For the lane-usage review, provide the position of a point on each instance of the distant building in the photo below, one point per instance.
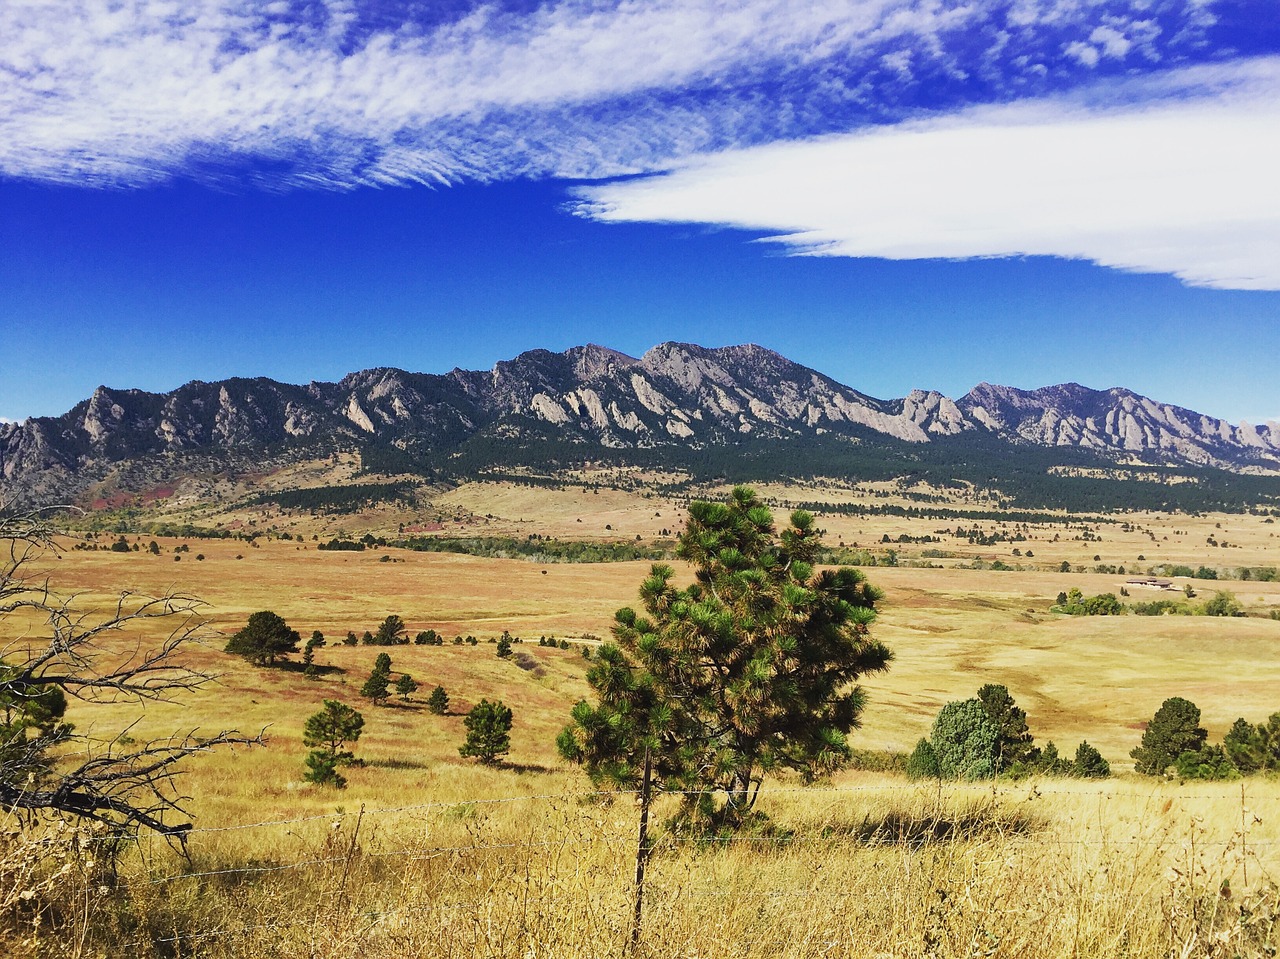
(1151, 582)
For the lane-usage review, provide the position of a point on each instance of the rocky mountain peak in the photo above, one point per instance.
(676, 394)
(591, 361)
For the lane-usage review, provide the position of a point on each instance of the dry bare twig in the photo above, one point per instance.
(39, 769)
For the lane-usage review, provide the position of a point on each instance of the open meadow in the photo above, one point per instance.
(425, 853)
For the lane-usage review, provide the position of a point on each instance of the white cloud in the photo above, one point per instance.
(1084, 53)
(1183, 184)
(140, 90)
(1111, 41)
(133, 92)
(143, 90)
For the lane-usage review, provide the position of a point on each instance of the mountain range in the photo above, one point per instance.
(594, 400)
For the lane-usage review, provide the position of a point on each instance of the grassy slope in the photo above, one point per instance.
(951, 629)
(1105, 868)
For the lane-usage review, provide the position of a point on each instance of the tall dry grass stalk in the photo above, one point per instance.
(877, 867)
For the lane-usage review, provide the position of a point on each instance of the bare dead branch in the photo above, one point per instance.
(127, 790)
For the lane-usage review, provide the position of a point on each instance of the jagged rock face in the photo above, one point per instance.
(1119, 421)
(676, 394)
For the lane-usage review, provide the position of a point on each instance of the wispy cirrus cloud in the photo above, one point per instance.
(889, 128)
(1172, 173)
(321, 94)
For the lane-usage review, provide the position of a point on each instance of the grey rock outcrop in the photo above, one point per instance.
(676, 395)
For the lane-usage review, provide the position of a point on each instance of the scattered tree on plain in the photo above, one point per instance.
(1089, 763)
(989, 736)
(309, 660)
(923, 762)
(266, 638)
(1208, 762)
(749, 670)
(1254, 749)
(391, 632)
(1050, 763)
(438, 701)
(377, 688)
(406, 686)
(1222, 603)
(965, 741)
(1013, 736)
(488, 731)
(328, 732)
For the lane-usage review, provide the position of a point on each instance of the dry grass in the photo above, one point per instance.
(1095, 678)
(873, 866)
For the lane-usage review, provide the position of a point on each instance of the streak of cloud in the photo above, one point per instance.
(310, 95)
(1181, 182)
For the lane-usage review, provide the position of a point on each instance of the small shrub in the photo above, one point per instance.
(438, 701)
(1208, 763)
(923, 762)
(1089, 763)
(488, 731)
(1222, 604)
(965, 741)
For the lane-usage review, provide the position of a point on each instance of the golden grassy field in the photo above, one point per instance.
(453, 858)
(588, 508)
(1097, 678)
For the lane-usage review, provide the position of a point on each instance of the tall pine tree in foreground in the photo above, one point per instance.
(751, 669)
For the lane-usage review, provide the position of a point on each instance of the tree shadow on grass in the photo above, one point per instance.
(289, 666)
(525, 767)
(917, 828)
(396, 764)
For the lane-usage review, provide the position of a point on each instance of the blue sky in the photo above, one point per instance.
(899, 193)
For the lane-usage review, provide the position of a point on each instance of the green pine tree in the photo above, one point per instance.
(1089, 763)
(751, 669)
(265, 638)
(377, 688)
(329, 731)
(923, 762)
(390, 632)
(488, 731)
(406, 686)
(1014, 739)
(1174, 729)
(438, 701)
